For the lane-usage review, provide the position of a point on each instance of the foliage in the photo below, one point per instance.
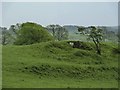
(116, 50)
(9, 35)
(95, 34)
(58, 32)
(32, 33)
(81, 29)
(81, 45)
(6, 36)
(14, 29)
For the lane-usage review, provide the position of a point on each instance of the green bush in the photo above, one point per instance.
(116, 50)
(32, 33)
(81, 45)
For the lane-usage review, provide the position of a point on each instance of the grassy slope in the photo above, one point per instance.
(56, 64)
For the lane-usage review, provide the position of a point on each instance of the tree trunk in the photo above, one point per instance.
(97, 44)
(98, 49)
(53, 32)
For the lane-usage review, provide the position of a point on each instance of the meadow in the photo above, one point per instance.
(56, 64)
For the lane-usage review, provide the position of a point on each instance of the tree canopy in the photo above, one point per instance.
(58, 32)
(30, 33)
(95, 34)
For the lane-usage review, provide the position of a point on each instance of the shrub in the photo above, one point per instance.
(116, 50)
(32, 33)
(81, 45)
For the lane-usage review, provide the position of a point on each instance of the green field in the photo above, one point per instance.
(58, 65)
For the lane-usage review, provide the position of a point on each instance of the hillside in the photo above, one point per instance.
(57, 64)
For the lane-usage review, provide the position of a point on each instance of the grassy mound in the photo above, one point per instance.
(57, 64)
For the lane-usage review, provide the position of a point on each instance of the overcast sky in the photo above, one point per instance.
(63, 13)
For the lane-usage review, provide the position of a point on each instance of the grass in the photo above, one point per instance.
(58, 65)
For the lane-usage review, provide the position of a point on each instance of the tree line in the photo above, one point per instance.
(30, 33)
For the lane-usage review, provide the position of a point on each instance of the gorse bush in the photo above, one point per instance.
(32, 33)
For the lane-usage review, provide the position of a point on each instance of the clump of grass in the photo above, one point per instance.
(86, 53)
(45, 70)
(59, 45)
(82, 53)
(116, 50)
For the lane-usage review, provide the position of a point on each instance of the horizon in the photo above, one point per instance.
(63, 25)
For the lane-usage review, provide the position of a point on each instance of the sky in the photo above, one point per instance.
(63, 13)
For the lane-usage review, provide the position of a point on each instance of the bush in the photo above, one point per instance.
(116, 50)
(32, 33)
(81, 45)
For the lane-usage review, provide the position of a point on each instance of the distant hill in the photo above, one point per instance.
(74, 34)
(113, 28)
(73, 28)
(110, 33)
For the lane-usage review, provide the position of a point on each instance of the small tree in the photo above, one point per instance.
(31, 33)
(81, 29)
(95, 34)
(58, 32)
(52, 27)
(6, 36)
(15, 28)
(62, 34)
